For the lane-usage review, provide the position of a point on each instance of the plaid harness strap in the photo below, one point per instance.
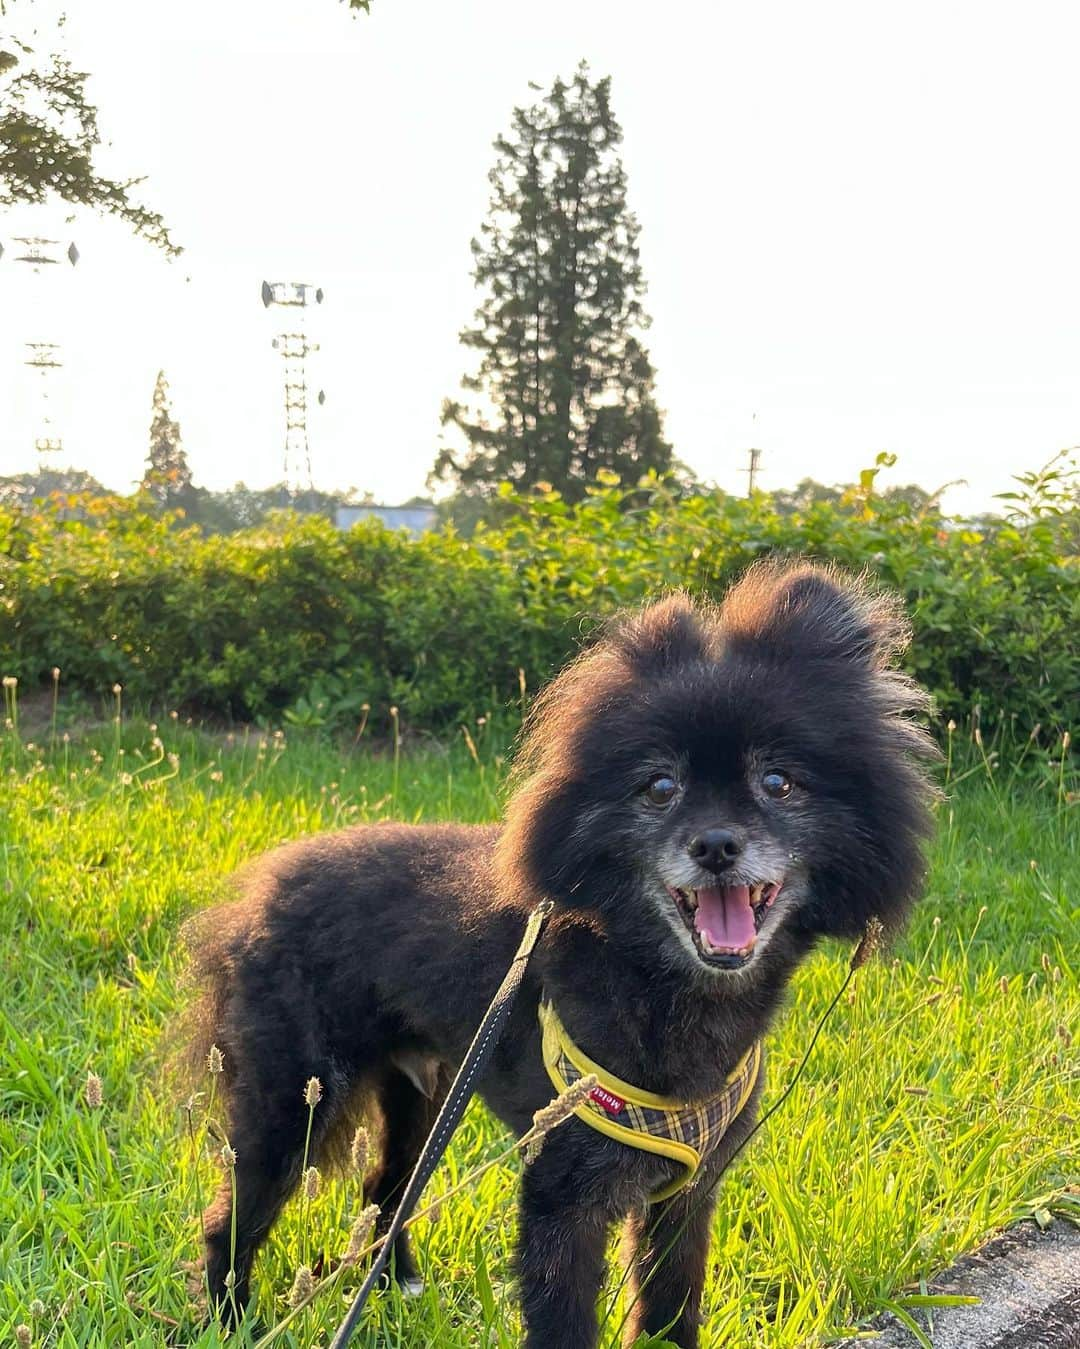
(687, 1134)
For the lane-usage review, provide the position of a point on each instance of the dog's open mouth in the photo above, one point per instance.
(724, 921)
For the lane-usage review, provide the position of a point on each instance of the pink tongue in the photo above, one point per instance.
(725, 917)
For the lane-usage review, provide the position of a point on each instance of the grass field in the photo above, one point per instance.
(940, 1102)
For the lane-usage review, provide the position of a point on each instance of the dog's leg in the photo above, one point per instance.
(267, 1125)
(560, 1257)
(408, 1114)
(263, 1183)
(666, 1284)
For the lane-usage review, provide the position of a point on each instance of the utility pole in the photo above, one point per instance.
(752, 471)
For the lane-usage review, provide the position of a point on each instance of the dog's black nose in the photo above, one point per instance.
(715, 849)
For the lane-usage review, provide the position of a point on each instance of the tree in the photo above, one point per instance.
(48, 137)
(167, 480)
(558, 329)
(22, 490)
(243, 507)
(49, 134)
(808, 493)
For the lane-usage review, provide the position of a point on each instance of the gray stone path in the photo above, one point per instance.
(1029, 1283)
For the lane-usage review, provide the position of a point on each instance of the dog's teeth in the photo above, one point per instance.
(711, 950)
(756, 892)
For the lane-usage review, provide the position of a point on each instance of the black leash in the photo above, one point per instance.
(460, 1094)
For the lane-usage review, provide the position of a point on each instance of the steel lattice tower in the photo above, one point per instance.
(294, 348)
(41, 255)
(44, 358)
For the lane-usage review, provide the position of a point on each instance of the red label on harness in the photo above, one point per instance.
(613, 1104)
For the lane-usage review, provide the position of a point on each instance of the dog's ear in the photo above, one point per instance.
(662, 636)
(807, 612)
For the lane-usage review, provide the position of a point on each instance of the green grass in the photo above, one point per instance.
(939, 1103)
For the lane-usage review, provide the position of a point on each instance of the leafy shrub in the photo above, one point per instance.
(297, 617)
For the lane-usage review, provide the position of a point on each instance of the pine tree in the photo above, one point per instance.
(562, 364)
(167, 480)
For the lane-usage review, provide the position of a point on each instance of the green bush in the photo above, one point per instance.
(296, 618)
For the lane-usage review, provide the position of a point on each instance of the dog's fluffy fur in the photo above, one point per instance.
(690, 751)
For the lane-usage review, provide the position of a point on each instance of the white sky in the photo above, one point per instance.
(859, 223)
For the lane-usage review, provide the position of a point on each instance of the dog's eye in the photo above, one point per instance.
(777, 785)
(661, 791)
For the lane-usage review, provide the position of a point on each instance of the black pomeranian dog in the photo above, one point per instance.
(703, 793)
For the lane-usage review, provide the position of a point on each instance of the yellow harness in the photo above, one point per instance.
(684, 1133)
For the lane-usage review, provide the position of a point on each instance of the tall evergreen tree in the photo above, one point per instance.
(167, 479)
(561, 362)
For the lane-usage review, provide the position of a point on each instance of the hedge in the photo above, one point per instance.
(298, 619)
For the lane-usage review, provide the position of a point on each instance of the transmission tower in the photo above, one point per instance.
(44, 358)
(40, 255)
(294, 348)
